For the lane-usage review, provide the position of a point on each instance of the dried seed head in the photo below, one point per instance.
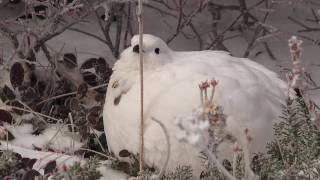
(204, 85)
(214, 83)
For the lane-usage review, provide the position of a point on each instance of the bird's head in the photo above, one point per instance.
(155, 52)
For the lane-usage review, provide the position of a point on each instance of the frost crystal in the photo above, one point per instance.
(192, 127)
(205, 124)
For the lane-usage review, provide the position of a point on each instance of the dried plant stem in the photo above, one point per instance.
(234, 163)
(73, 133)
(249, 174)
(55, 134)
(166, 133)
(33, 112)
(296, 78)
(7, 140)
(26, 106)
(281, 153)
(71, 93)
(44, 158)
(141, 135)
(99, 153)
(65, 160)
(89, 34)
(201, 96)
(219, 165)
(96, 136)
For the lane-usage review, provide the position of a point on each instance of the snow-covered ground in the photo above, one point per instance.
(61, 159)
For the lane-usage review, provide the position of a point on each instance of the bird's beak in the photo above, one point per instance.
(136, 49)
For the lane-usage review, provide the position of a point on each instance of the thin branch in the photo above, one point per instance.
(128, 26)
(269, 51)
(47, 37)
(243, 8)
(251, 44)
(71, 93)
(96, 136)
(306, 28)
(166, 133)
(141, 133)
(119, 15)
(88, 34)
(56, 133)
(197, 34)
(160, 10)
(180, 15)
(72, 131)
(219, 165)
(47, 54)
(105, 33)
(186, 22)
(30, 111)
(99, 153)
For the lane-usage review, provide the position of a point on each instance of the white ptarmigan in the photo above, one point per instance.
(250, 94)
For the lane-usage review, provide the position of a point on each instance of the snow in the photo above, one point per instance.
(57, 139)
(61, 159)
(43, 157)
(110, 174)
(54, 137)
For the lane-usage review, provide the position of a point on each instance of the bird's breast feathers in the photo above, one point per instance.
(250, 94)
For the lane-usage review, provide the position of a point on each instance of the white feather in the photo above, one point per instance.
(250, 94)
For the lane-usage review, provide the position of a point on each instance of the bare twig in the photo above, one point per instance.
(141, 136)
(96, 136)
(57, 132)
(47, 37)
(33, 112)
(71, 93)
(186, 20)
(128, 26)
(88, 34)
(306, 28)
(72, 131)
(315, 16)
(99, 153)
(30, 109)
(251, 44)
(160, 10)
(249, 174)
(119, 29)
(222, 169)
(116, 9)
(269, 51)
(166, 133)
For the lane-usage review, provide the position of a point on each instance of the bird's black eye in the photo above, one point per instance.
(136, 49)
(157, 50)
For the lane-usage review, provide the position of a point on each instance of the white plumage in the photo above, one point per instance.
(250, 94)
